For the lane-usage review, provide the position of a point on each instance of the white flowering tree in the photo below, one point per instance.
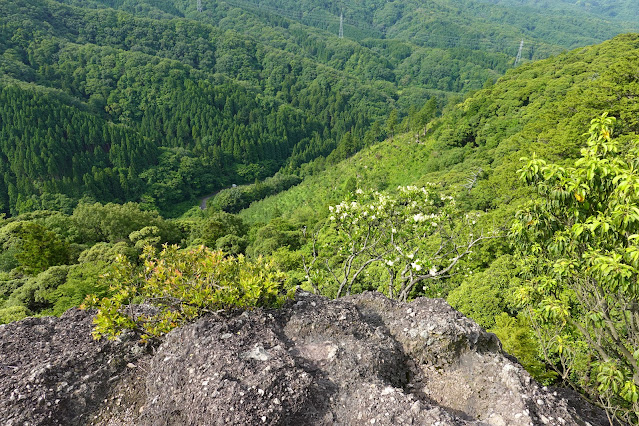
(416, 235)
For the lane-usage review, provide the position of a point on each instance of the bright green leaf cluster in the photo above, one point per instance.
(578, 242)
(181, 285)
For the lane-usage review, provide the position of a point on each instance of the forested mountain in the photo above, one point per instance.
(156, 102)
(211, 106)
(620, 10)
(202, 101)
(541, 107)
(479, 24)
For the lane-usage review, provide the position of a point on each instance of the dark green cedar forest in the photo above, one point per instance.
(410, 157)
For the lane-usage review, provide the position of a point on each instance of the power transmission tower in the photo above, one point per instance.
(521, 47)
(199, 5)
(341, 25)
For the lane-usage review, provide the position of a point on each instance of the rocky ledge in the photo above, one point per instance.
(360, 360)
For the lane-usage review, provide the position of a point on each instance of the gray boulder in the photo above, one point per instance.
(360, 360)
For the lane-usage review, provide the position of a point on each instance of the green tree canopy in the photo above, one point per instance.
(579, 248)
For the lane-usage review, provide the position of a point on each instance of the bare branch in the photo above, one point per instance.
(472, 180)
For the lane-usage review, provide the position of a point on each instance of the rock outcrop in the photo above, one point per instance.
(360, 360)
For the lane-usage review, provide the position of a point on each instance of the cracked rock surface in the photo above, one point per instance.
(360, 360)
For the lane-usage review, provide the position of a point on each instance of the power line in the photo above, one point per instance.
(327, 19)
(283, 12)
(302, 17)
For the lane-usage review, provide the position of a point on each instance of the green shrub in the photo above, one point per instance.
(39, 249)
(182, 284)
(13, 313)
(232, 244)
(38, 293)
(277, 233)
(485, 295)
(578, 244)
(216, 226)
(519, 340)
(81, 280)
(107, 252)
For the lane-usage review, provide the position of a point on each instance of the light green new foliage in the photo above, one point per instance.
(579, 247)
(517, 339)
(181, 285)
(488, 298)
(487, 294)
(13, 313)
(381, 166)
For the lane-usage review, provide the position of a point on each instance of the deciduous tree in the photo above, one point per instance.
(416, 235)
(579, 245)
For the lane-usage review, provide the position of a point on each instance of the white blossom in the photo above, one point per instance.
(416, 266)
(432, 271)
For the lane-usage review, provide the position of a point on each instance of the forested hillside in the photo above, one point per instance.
(620, 10)
(177, 125)
(480, 24)
(159, 103)
(542, 107)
